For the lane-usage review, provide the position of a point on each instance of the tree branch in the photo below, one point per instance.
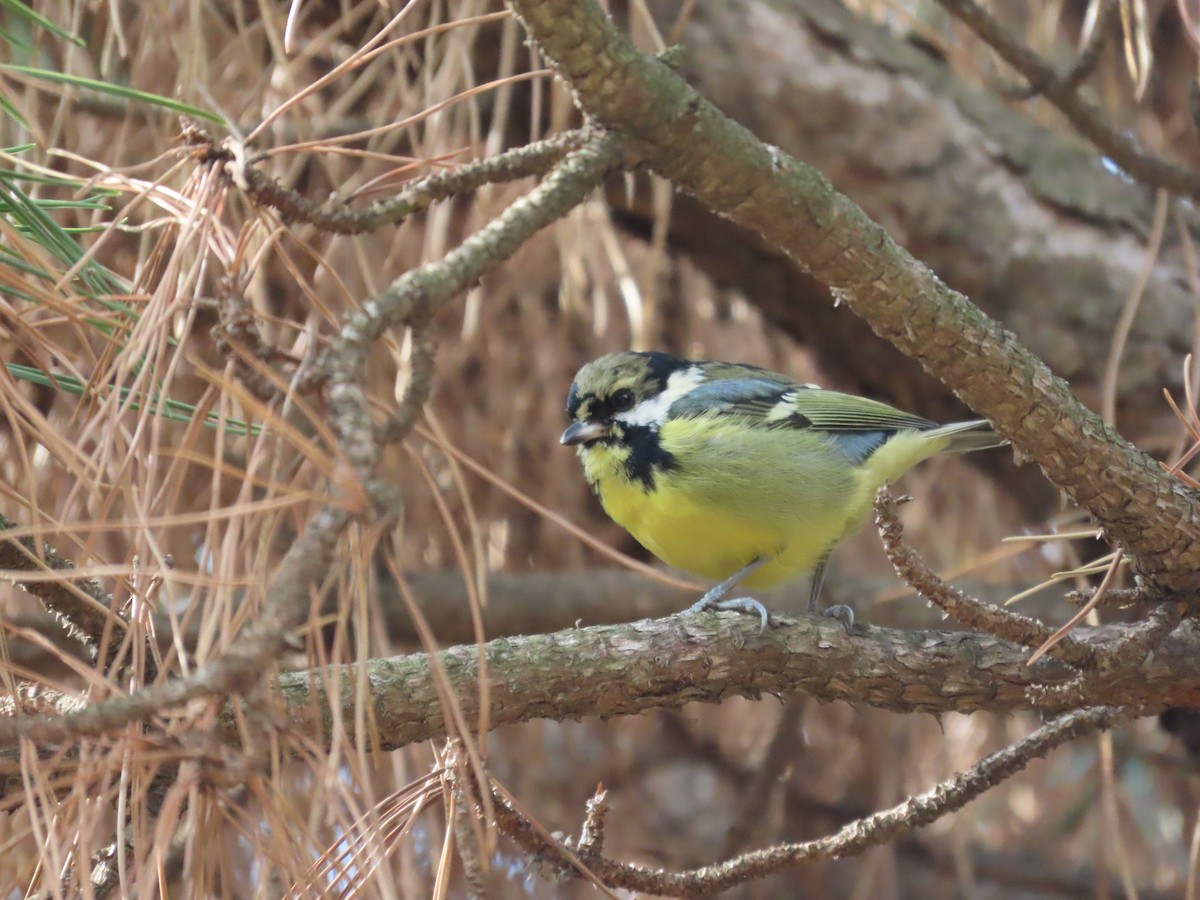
(918, 811)
(244, 663)
(80, 604)
(533, 603)
(1006, 210)
(969, 611)
(666, 663)
(340, 218)
(1087, 117)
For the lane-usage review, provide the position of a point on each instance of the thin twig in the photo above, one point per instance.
(915, 812)
(971, 612)
(1085, 62)
(237, 338)
(79, 603)
(1117, 144)
(340, 218)
(1114, 598)
(591, 835)
(420, 383)
(466, 838)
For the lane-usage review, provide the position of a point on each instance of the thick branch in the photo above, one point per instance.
(685, 139)
(540, 602)
(1024, 220)
(666, 663)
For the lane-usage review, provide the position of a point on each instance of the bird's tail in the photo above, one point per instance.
(967, 436)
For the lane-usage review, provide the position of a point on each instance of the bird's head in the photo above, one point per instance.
(620, 391)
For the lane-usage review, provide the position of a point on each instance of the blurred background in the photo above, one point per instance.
(117, 233)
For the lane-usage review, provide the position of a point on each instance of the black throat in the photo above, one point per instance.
(647, 457)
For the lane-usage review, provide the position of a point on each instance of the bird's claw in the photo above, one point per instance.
(736, 604)
(842, 613)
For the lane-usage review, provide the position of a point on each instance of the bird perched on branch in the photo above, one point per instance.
(737, 474)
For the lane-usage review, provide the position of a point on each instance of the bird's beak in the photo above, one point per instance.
(582, 432)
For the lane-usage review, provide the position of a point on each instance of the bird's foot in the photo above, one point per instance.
(842, 613)
(737, 604)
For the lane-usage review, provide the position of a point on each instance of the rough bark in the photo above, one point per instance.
(536, 603)
(666, 663)
(1023, 219)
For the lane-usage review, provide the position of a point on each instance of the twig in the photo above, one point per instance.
(338, 218)
(802, 809)
(915, 812)
(237, 338)
(971, 612)
(1119, 145)
(1114, 598)
(79, 603)
(466, 838)
(591, 835)
(420, 383)
(1083, 66)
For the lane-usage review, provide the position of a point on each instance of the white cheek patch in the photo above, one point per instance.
(653, 410)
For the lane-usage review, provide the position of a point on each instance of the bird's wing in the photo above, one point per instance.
(856, 427)
(831, 411)
(769, 403)
(750, 399)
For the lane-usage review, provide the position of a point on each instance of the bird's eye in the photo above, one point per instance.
(622, 400)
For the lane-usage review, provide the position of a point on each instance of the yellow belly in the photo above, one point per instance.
(711, 543)
(739, 495)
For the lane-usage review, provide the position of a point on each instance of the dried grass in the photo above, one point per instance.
(195, 520)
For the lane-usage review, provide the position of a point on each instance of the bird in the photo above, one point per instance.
(738, 474)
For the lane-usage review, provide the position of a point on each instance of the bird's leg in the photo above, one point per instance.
(839, 611)
(713, 599)
(818, 579)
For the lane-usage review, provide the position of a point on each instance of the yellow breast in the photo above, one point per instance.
(722, 507)
(736, 495)
(712, 542)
